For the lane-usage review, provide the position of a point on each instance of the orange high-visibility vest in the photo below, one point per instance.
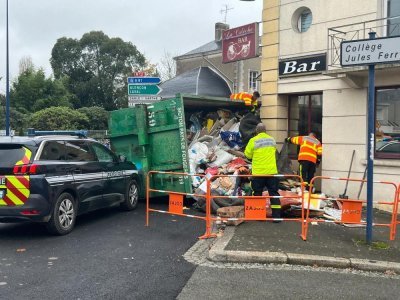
(246, 97)
(310, 147)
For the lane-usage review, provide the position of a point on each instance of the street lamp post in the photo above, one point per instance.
(7, 78)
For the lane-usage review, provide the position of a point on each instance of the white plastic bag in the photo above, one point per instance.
(198, 153)
(223, 157)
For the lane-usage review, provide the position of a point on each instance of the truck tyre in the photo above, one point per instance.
(131, 196)
(62, 219)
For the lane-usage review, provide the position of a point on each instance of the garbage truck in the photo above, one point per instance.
(155, 136)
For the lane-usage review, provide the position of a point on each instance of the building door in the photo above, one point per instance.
(305, 116)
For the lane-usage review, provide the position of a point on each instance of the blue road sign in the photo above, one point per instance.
(143, 89)
(144, 80)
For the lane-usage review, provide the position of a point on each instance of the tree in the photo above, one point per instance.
(32, 91)
(58, 118)
(96, 67)
(167, 66)
(97, 116)
(25, 64)
(18, 120)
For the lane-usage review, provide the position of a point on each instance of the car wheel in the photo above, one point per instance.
(131, 196)
(63, 217)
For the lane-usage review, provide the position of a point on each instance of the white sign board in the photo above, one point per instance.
(133, 100)
(3, 133)
(144, 98)
(367, 52)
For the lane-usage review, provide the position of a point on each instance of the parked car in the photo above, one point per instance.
(53, 179)
(392, 147)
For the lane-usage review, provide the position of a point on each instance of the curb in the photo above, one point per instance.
(374, 265)
(217, 253)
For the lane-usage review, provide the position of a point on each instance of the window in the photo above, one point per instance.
(102, 153)
(393, 13)
(305, 116)
(387, 129)
(10, 154)
(78, 151)
(253, 82)
(305, 20)
(53, 150)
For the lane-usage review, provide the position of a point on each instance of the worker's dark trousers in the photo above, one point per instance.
(271, 183)
(307, 170)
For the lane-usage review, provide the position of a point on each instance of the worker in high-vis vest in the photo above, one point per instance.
(309, 155)
(250, 100)
(261, 149)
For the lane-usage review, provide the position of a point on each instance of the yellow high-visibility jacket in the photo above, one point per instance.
(262, 149)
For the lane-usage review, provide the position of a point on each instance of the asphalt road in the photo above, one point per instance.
(112, 255)
(109, 255)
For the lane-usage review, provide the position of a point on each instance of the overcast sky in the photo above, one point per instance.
(154, 26)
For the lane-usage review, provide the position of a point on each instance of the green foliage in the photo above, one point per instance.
(98, 117)
(378, 245)
(59, 118)
(49, 102)
(18, 120)
(96, 67)
(32, 91)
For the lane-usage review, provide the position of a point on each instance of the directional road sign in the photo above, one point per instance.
(144, 80)
(144, 98)
(133, 100)
(143, 89)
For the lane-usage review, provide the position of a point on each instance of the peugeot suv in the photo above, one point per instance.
(53, 179)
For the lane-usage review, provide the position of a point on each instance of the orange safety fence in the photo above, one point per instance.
(255, 206)
(395, 219)
(352, 208)
(176, 200)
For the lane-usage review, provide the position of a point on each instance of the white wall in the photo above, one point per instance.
(326, 14)
(344, 105)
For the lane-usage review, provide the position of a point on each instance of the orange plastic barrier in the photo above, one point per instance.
(395, 219)
(175, 206)
(352, 208)
(255, 206)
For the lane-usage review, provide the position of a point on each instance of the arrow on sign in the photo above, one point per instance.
(143, 89)
(144, 80)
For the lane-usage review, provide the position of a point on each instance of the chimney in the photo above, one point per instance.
(219, 28)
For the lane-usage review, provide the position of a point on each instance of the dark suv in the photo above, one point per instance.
(53, 179)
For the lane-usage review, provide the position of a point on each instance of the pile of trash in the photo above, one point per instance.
(216, 147)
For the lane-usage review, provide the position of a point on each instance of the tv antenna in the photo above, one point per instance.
(225, 11)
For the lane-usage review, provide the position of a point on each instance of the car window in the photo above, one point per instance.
(78, 151)
(379, 145)
(10, 154)
(391, 148)
(102, 153)
(53, 150)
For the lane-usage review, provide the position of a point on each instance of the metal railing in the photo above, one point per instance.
(357, 31)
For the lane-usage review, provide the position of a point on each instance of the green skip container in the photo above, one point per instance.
(153, 136)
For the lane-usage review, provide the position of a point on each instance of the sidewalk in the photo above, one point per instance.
(327, 244)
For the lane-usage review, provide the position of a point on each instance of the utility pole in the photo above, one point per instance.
(7, 78)
(225, 11)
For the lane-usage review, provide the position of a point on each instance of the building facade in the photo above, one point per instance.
(304, 88)
(241, 75)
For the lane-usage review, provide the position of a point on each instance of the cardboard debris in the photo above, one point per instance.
(231, 212)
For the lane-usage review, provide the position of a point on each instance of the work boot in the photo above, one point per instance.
(276, 209)
(276, 214)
